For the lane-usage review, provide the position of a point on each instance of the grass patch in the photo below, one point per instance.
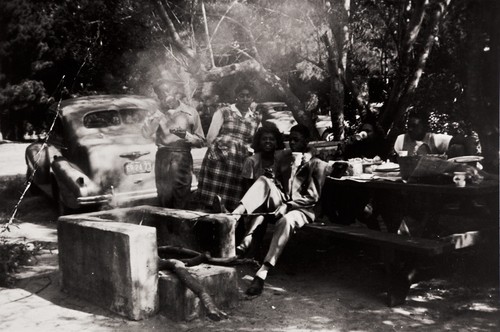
(13, 255)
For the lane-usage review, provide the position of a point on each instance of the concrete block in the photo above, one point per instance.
(180, 304)
(111, 264)
(194, 230)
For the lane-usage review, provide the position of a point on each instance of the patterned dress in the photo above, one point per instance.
(222, 165)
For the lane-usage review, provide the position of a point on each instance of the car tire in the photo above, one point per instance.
(328, 135)
(62, 209)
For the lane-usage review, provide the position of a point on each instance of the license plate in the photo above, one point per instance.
(137, 167)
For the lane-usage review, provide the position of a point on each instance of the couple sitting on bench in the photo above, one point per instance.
(289, 196)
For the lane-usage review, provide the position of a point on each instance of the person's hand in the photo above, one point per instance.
(190, 137)
(281, 211)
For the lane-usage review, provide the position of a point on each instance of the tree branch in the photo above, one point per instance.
(174, 37)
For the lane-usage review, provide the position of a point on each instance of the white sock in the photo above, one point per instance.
(262, 273)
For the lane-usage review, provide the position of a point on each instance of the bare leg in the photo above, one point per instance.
(247, 240)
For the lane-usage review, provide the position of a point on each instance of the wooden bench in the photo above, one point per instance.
(386, 240)
(394, 249)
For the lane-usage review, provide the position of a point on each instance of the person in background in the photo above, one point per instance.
(349, 206)
(177, 129)
(418, 141)
(368, 142)
(229, 138)
(290, 197)
(206, 110)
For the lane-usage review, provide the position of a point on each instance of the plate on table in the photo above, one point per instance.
(466, 159)
(362, 177)
(387, 167)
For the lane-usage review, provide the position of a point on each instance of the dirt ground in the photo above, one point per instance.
(320, 284)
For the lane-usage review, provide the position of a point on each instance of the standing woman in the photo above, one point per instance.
(229, 138)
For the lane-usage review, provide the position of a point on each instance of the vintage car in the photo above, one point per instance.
(279, 114)
(95, 154)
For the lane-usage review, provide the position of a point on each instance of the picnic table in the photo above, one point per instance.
(413, 217)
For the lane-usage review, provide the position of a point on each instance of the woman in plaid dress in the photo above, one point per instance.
(229, 137)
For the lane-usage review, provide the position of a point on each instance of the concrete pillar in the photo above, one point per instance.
(111, 264)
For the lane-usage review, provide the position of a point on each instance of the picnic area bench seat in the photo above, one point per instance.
(386, 240)
(397, 251)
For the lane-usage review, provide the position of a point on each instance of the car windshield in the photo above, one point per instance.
(108, 118)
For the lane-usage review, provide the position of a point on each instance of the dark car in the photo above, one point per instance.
(95, 154)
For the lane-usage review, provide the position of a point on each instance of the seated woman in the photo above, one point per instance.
(268, 146)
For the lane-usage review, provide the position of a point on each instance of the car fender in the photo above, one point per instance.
(38, 157)
(72, 182)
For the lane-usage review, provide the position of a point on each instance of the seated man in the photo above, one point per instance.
(291, 195)
(417, 141)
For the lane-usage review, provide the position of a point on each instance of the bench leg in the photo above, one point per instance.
(398, 274)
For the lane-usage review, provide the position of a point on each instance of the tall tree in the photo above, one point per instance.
(414, 47)
(250, 61)
(482, 69)
(336, 40)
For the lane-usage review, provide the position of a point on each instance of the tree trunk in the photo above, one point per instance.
(410, 71)
(482, 77)
(196, 69)
(336, 47)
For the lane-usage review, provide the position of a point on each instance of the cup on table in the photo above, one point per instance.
(403, 153)
(357, 166)
(459, 179)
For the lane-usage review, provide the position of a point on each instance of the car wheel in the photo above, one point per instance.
(62, 209)
(328, 135)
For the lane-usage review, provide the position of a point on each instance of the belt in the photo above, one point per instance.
(174, 148)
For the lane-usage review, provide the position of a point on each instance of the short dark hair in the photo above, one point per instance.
(268, 127)
(422, 116)
(300, 128)
(245, 86)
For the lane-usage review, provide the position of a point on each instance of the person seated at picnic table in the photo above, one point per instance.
(229, 138)
(290, 197)
(418, 141)
(368, 142)
(348, 206)
(268, 145)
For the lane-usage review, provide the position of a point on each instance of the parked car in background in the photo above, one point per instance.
(279, 114)
(95, 154)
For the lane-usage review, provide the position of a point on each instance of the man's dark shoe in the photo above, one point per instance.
(256, 287)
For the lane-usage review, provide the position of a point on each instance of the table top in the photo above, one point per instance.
(486, 187)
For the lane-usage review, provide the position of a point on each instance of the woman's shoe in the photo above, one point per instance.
(240, 252)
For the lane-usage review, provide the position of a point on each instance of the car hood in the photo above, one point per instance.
(107, 155)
